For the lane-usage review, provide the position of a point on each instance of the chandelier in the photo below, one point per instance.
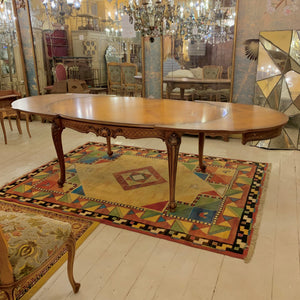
(113, 28)
(60, 9)
(205, 20)
(8, 36)
(149, 17)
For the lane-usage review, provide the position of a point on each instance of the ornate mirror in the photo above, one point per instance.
(199, 46)
(278, 83)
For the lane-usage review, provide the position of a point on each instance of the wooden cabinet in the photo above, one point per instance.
(89, 43)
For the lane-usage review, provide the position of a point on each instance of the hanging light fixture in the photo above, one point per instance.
(7, 25)
(150, 17)
(60, 9)
(206, 20)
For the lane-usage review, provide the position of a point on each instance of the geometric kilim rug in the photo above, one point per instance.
(216, 210)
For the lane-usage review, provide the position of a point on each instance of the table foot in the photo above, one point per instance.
(172, 208)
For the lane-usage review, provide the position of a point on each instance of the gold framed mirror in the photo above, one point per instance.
(90, 29)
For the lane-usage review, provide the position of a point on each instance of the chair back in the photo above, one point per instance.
(212, 72)
(61, 73)
(128, 71)
(113, 76)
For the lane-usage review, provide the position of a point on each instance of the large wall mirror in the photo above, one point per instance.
(198, 52)
(100, 43)
(278, 83)
(11, 72)
(80, 46)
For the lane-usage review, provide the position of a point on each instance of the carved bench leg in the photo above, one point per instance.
(71, 255)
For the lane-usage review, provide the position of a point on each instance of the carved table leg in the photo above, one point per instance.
(201, 146)
(109, 152)
(57, 129)
(169, 90)
(182, 93)
(173, 142)
(18, 118)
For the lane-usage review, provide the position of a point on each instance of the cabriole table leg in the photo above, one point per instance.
(200, 156)
(57, 129)
(173, 142)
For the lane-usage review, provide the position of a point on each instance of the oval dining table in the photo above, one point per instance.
(136, 117)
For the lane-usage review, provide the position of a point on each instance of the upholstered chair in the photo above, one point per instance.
(114, 78)
(212, 72)
(129, 85)
(60, 84)
(209, 72)
(224, 94)
(60, 72)
(29, 243)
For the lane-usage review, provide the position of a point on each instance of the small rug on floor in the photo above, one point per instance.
(216, 210)
(81, 228)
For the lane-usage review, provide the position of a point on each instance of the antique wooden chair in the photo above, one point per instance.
(128, 82)
(209, 72)
(114, 82)
(77, 86)
(212, 72)
(60, 84)
(29, 243)
(60, 72)
(6, 111)
(224, 94)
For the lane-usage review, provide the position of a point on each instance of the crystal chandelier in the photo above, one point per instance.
(113, 28)
(8, 36)
(149, 17)
(60, 9)
(205, 20)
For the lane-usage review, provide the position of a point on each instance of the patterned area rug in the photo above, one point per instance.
(215, 210)
(81, 228)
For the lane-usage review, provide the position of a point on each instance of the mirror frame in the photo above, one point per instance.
(278, 72)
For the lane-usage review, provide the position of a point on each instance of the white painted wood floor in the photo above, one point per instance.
(119, 264)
